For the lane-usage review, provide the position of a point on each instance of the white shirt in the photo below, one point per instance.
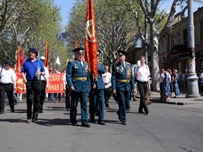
(7, 76)
(46, 76)
(64, 78)
(143, 73)
(106, 78)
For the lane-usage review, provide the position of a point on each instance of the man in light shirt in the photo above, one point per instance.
(142, 74)
(7, 85)
(44, 84)
(106, 77)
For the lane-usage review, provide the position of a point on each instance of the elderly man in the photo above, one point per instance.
(7, 85)
(32, 69)
(122, 84)
(44, 84)
(78, 80)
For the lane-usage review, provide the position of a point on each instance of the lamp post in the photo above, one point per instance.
(192, 85)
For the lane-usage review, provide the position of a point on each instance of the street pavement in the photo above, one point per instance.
(179, 100)
(175, 126)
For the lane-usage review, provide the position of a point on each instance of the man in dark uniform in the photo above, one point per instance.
(122, 84)
(78, 79)
(97, 94)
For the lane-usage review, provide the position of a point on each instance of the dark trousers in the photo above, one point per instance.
(68, 97)
(42, 97)
(162, 91)
(33, 90)
(97, 103)
(8, 89)
(75, 96)
(107, 95)
(123, 103)
(142, 86)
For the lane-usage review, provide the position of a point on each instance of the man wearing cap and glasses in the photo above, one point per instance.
(44, 84)
(97, 94)
(32, 69)
(78, 80)
(122, 84)
(8, 85)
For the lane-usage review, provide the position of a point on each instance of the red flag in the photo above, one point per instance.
(47, 55)
(91, 46)
(20, 59)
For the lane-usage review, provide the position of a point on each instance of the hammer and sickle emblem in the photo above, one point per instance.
(90, 31)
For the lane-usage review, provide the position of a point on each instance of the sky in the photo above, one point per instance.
(66, 6)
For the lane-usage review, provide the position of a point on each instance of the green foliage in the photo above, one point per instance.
(39, 20)
(115, 26)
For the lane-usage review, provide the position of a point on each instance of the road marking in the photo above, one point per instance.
(184, 114)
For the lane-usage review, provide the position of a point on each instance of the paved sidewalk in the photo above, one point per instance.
(179, 100)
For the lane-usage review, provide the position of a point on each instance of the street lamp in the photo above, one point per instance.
(192, 85)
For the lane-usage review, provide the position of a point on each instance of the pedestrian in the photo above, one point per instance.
(7, 85)
(175, 83)
(142, 74)
(122, 84)
(44, 84)
(78, 79)
(97, 94)
(200, 82)
(67, 91)
(32, 69)
(106, 77)
(51, 95)
(161, 84)
(166, 86)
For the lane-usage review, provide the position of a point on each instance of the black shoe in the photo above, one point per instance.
(67, 109)
(140, 112)
(124, 123)
(147, 112)
(41, 111)
(118, 116)
(86, 125)
(34, 120)
(107, 105)
(74, 124)
(12, 110)
(101, 123)
(128, 108)
(1, 112)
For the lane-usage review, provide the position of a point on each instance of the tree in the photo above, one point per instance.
(38, 20)
(114, 23)
(150, 10)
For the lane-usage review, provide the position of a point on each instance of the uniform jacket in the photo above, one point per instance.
(75, 69)
(98, 82)
(122, 73)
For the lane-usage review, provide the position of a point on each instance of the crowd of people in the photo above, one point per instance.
(80, 85)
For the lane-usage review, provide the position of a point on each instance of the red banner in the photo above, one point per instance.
(91, 46)
(55, 84)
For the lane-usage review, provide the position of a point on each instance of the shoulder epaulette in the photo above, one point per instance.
(117, 63)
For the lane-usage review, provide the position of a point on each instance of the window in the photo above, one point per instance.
(201, 31)
(185, 36)
(172, 40)
(178, 38)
